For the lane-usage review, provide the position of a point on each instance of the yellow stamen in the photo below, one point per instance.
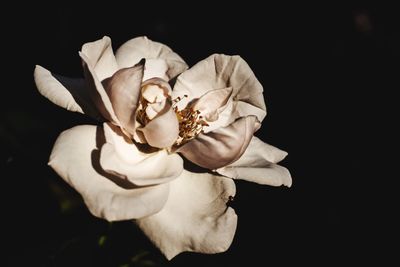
(190, 122)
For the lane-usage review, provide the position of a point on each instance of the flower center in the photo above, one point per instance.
(153, 99)
(191, 123)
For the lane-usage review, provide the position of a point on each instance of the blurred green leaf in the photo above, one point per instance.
(102, 240)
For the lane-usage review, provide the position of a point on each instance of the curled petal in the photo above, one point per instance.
(122, 158)
(163, 130)
(195, 217)
(257, 164)
(222, 71)
(101, 57)
(75, 157)
(258, 153)
(221, 147)
(123, 89)
(212, 103)
(157, 56)
(68, 93)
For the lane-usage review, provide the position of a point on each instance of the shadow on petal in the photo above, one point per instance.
(95, 156)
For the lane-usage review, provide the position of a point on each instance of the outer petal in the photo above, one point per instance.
(75, 157)
(195, 217)
(122, 158)
(221, 147)
(97, 91)
(257, 165)
(101, 57)
(157, 56)
(123, 89)
(68, 93)
(270, 174)
(221, 71)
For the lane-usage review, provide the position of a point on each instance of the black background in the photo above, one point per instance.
(330, 75)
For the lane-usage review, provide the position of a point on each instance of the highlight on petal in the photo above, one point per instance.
(161, 61)
(258, 164)
(222, 146)
(75, 157)
(195, 218)
(123, 89)
(221, 71)
(101, 57)
(71, 94)
(122, 158)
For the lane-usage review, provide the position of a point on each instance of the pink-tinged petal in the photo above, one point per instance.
(257, 164)
(163, 130)
(97, 92)
(212, 103)
(101, 57)
(123, 89)
(157, 56)
(196, 216)
(68, 93)
(122, 158)
(75, 157)
(222, 71)
(221, 147)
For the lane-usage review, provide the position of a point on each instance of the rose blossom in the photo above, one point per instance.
(130, 166)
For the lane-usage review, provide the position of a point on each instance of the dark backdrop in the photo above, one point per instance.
(330, 75)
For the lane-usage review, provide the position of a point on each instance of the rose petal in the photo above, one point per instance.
(75, 157)
(211, 103)
(219, 148)
(101, 57)
(257, 164)
(97, 92)
(163, 130)
(122, 158)
(141, 47)
(195, 217)
(258, 153)
(222, 71)
(68, 93)
(123, 89)
(271, 174)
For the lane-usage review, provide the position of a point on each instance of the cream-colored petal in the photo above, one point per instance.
(122, 158)
(195, 217)
(156, 68)
(222, 71)
(163, 130)
(75, 157)
(97, 92)
(141, 47)
(270, 174)
(68, 93)
(257, 164)
(258, 153)
(101, 57)
(221, 147)
(123, 89)
(212, 103)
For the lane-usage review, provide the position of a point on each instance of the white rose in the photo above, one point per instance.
(129, 166)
